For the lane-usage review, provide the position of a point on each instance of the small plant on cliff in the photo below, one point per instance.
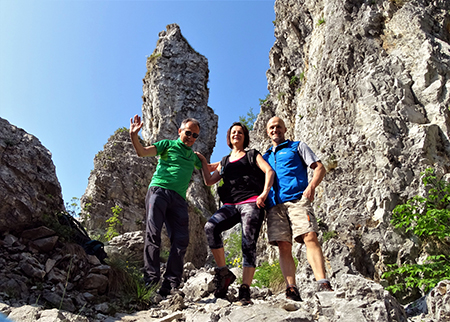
(329, 235)
(121, 130)
(294, 80)
(428, 218)
(321, 21)
(114, 223)
(263, 100)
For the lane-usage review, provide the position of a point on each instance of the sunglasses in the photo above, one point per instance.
(189, 133)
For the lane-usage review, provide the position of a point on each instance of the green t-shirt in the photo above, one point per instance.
(175, 166)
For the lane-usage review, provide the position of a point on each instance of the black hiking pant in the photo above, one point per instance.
(164, 206)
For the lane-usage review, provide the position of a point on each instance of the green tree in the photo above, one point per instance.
(114, 223)
(427, 218)
(249, 120)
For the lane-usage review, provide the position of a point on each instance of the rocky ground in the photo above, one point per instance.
(34, 282)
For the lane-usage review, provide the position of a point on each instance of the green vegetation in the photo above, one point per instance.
(294, 80)
(269, 275)
(428, 219)
(233, 247)
(126, 281)
(281, 95)
(153, 56)
(321, 21)
(121, 130)
(329, 235)
(249, 120)
(114, 223)
(150, 62)
(302, 76)
(262, 101)
(65, 285)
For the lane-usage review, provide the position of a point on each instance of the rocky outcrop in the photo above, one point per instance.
(175, 88)
(29, 187)
(366, 85)
(120, 178)
(40, 267)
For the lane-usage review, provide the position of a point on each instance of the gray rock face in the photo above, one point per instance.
(28, 183)
(120, 178)
(175, 88)
(365, 85)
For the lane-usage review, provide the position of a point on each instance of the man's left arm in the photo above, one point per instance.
(318, 175)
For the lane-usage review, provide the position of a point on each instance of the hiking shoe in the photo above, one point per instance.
(325, 286)
(293, 294)
(169, 289)
(222, 279)
(164, 291)
(244, 294)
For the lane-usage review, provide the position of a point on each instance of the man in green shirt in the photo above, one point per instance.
(165, 202)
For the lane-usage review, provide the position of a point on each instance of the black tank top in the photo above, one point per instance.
(241, 179)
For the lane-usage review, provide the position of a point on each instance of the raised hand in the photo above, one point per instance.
(135, 124)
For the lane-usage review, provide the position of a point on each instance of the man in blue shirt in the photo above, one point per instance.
(290, 215)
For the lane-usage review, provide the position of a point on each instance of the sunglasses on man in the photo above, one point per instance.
(189, 133)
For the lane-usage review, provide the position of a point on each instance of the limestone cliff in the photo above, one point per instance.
(29, 187)
(366, 85)
(175, 88)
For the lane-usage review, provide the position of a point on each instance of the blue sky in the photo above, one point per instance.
(71, 71)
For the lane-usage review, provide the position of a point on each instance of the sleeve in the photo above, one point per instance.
(255, 155)
(161, 146)
(307, 154)
(197, 162)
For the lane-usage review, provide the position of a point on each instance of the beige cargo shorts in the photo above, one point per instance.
(291, 219)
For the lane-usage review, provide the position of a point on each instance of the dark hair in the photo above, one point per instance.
(190, 119)
(246, 134)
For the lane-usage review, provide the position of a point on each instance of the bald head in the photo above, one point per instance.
(276, 130)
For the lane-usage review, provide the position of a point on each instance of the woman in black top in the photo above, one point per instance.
(247, 180)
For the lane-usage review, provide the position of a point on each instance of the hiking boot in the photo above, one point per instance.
(293, 294)
(169, 289)
(244, 294)
(223, 278)
(325, 287)
(164, 291)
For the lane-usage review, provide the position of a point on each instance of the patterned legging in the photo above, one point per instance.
(250, 217)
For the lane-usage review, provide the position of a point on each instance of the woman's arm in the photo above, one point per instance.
(209, 178)
(270, 176)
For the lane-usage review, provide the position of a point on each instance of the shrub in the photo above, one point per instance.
(270, 275)
(428, 218)
(233, 247)
(126, 281)
(249, 120)
(114, 223)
